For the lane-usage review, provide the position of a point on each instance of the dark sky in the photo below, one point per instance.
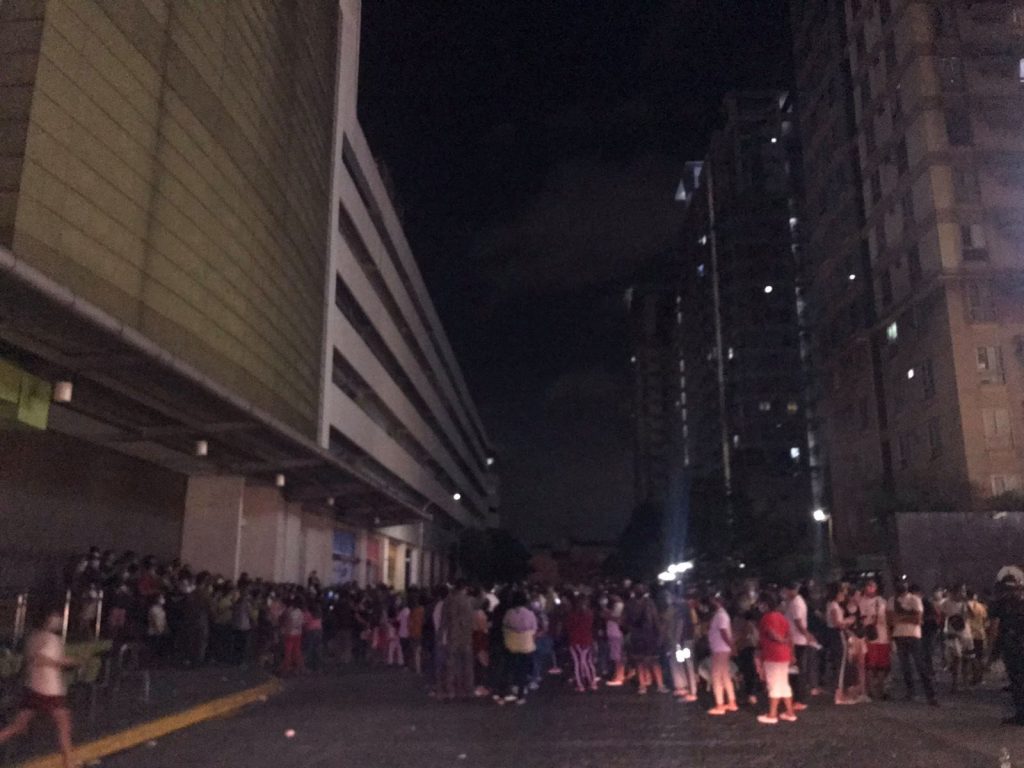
(535, 146)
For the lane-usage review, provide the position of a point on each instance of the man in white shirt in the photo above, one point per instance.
(45, 692)
(908, 616)
(796, 614)
(720, 640)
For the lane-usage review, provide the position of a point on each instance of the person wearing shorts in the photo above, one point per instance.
(776, 655)
(45, 692)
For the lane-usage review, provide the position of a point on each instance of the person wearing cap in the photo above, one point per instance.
(1008, 639)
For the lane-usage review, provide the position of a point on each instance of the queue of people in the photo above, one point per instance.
(769, 649)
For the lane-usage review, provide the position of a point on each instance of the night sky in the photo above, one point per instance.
(535, 146)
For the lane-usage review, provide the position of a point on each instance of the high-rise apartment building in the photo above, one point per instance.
(652, 305)
(912, 120)
(742, 359)
(214, 339)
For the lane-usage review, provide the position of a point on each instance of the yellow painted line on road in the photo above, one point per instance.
(155, 729)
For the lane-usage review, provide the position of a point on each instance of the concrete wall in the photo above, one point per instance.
(211, 535)
(946, 548)
(176, 174)
(59, 496)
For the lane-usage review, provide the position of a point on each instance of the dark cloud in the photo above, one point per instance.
(591, 223)
(536, 146)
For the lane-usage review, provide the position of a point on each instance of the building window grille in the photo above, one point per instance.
(996, 423)
(973, 245)
(928, 379)
(958, 127)
(934, 438)
(990, 365)
(951, 73)
(914, 264)
(980, 306)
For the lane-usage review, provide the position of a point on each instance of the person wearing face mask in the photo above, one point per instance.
(45, 691)
(156, 627)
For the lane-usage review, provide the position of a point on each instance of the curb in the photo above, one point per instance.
(155, 729)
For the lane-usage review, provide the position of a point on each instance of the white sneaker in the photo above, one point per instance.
(765, 720)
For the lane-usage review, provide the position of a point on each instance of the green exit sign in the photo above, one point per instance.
(24, 398)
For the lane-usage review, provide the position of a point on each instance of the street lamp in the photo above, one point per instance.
(820, 516)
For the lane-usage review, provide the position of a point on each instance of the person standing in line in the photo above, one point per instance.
(404, 612)
(579, 626)
(908, 617)
(796, 615)
(1008, 640)
(519, 627)
(721, 642)
(837, 624)
(977, 622)
(776, 654)
(45, 691)
(292, 621)
(644, 641)
(417, 614)
(439, 645)
(878, 659)
(616, 641)
(457, 620)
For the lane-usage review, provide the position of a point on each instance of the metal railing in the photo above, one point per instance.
(14, 613)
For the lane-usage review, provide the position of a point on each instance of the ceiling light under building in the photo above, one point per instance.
(330, 501)
(456, 496)
(910, 373)
(768, 289)
(62, 391)
(490, 461)
(852, 277)
(202, 448)
(279, 480)
(819, 515)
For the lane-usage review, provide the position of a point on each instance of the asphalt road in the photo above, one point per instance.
(383, 719)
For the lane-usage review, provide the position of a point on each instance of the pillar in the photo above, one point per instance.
(398, 553)
(211, 534)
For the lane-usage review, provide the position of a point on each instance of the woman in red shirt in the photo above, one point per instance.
(776, 654)
(579, 626)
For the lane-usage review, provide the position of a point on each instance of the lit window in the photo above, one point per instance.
(910, 373)
(731, 353)
(794, 452)
(703, 240)
(892, 333)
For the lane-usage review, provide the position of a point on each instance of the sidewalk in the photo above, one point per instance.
(178, 698)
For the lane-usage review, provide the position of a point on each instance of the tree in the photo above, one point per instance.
(493, 555)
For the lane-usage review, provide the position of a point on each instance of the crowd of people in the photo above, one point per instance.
(752, 645)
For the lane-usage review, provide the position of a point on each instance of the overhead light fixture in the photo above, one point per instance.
(330, 501)
(490, 461)
(852, 276)
(62, 391)
(457, 496)
(775, 139)
(202, 448)
(910, 373)
(819, 515)
(279, 480)
(768, 289)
